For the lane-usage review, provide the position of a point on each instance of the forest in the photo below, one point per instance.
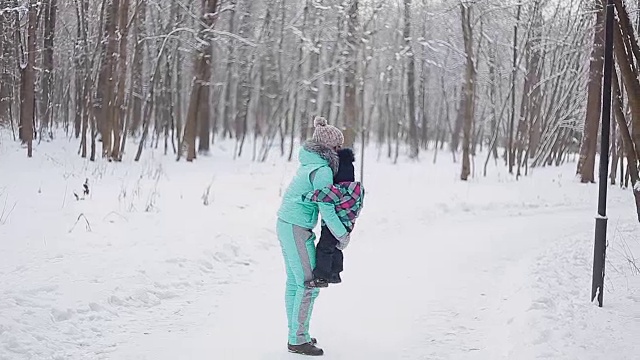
(514, 82)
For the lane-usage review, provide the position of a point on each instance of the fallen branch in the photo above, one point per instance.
(206, 195)
(87, 224)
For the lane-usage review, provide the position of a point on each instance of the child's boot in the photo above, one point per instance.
(335, 279)
(317, 283)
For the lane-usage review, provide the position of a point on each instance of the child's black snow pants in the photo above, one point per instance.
(329, 259)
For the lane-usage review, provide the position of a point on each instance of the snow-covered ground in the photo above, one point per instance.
(142, 268)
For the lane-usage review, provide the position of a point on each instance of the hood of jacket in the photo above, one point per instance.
(315, 153)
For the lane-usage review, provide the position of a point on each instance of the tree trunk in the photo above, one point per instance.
(243, 91)
(469, 90)
(28, 88)
(204, 107)
(529, 105)
(534, 76)
(83, 78)
(176, 67)
(199, 109)
(313, 105)
(625, 37)
(119, 107)
(79, 76)
(350, 93)
(105, 87)
(493, 92)
(631, 148)
(50, 9)
(227, 111)
(586, 162)
(303, 95)
(514, 73)
(190, 128)
(136, 93)
(459, 121)
(6, 76)
(411, 69)
(630, 81)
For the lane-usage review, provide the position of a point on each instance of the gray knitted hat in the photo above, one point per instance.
(326, 134)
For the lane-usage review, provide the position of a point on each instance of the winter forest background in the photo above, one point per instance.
(519, 79)
(112, 249)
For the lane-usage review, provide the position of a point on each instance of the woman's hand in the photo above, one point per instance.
(343, 242)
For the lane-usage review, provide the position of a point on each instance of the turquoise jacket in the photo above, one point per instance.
(318, 163)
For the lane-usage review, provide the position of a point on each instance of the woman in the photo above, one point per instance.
(296, 219)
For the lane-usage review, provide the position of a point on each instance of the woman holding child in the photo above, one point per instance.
(311, 192)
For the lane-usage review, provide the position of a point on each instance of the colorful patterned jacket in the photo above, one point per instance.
(347, 197)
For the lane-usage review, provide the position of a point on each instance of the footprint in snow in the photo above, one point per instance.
(61, 315)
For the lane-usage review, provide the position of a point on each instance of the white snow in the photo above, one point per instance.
(437, 268)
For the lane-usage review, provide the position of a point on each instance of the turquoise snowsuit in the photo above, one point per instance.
(296, 219)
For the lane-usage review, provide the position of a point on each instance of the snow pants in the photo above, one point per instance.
(329, 259)
(298, 249)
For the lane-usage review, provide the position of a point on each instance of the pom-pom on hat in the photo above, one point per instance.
(327, 134)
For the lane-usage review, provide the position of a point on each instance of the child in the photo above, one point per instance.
(347, 196)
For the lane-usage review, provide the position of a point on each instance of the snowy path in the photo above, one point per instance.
(421, 291)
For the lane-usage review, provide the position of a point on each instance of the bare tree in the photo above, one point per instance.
(7, 62)
(27, 84)
(350, 92)
(469, 89)
(514, 72)
(50, 10)
(411, 87)
(119, 120)
(199, 109)
(105, 91)
(136, 93)
(587, 160)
